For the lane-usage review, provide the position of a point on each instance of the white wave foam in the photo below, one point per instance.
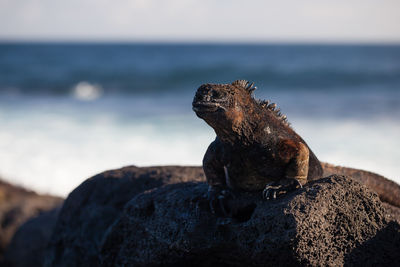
(52, 148)
(86, 91)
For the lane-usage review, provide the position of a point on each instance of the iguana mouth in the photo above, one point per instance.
(207, 106)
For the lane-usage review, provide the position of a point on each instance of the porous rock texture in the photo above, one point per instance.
(17, 205)
(334, 221)
(387, 190)
(94, 205)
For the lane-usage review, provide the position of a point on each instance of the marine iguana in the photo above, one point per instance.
(255, 150)
(255, 147)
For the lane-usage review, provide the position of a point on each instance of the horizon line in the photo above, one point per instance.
(197, 42)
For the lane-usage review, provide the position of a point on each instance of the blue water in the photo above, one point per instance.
(132, 69)
(68, 111)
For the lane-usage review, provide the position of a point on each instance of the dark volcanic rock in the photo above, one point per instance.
(333, 221)
(381, 250)
(29, 243)
(93, 206)
(98, 202)
(393, 213)
(387, 190)
(17, 205)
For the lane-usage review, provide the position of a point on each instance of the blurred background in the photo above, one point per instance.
(87, 86)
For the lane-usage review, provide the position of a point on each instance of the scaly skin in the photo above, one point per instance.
(255, 147)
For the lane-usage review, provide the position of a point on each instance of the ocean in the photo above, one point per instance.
(69, 111)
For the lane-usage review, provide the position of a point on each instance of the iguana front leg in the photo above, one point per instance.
(296, 154)
(216, 175)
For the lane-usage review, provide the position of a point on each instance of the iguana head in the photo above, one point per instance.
(224, 106)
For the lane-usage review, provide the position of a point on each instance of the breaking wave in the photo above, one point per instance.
(86, 91)
(53, 144)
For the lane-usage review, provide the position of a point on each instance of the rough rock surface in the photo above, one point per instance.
(376, 182)
(29, 243)
(94, 205)
(333, 221)
(384, 187)
(17, 205)
(393, 212)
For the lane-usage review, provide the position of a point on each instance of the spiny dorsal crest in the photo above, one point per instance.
(272, 107)
(263, 103)
(245, 85)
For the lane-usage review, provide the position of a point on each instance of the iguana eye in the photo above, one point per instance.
(216, 94)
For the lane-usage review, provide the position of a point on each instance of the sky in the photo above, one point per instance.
(201, 20)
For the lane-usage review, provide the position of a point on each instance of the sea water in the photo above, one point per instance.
(69, 111)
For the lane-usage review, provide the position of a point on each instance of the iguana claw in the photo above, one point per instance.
(218, 201)
(274, 189)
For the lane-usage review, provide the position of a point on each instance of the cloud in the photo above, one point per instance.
(186, 20)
